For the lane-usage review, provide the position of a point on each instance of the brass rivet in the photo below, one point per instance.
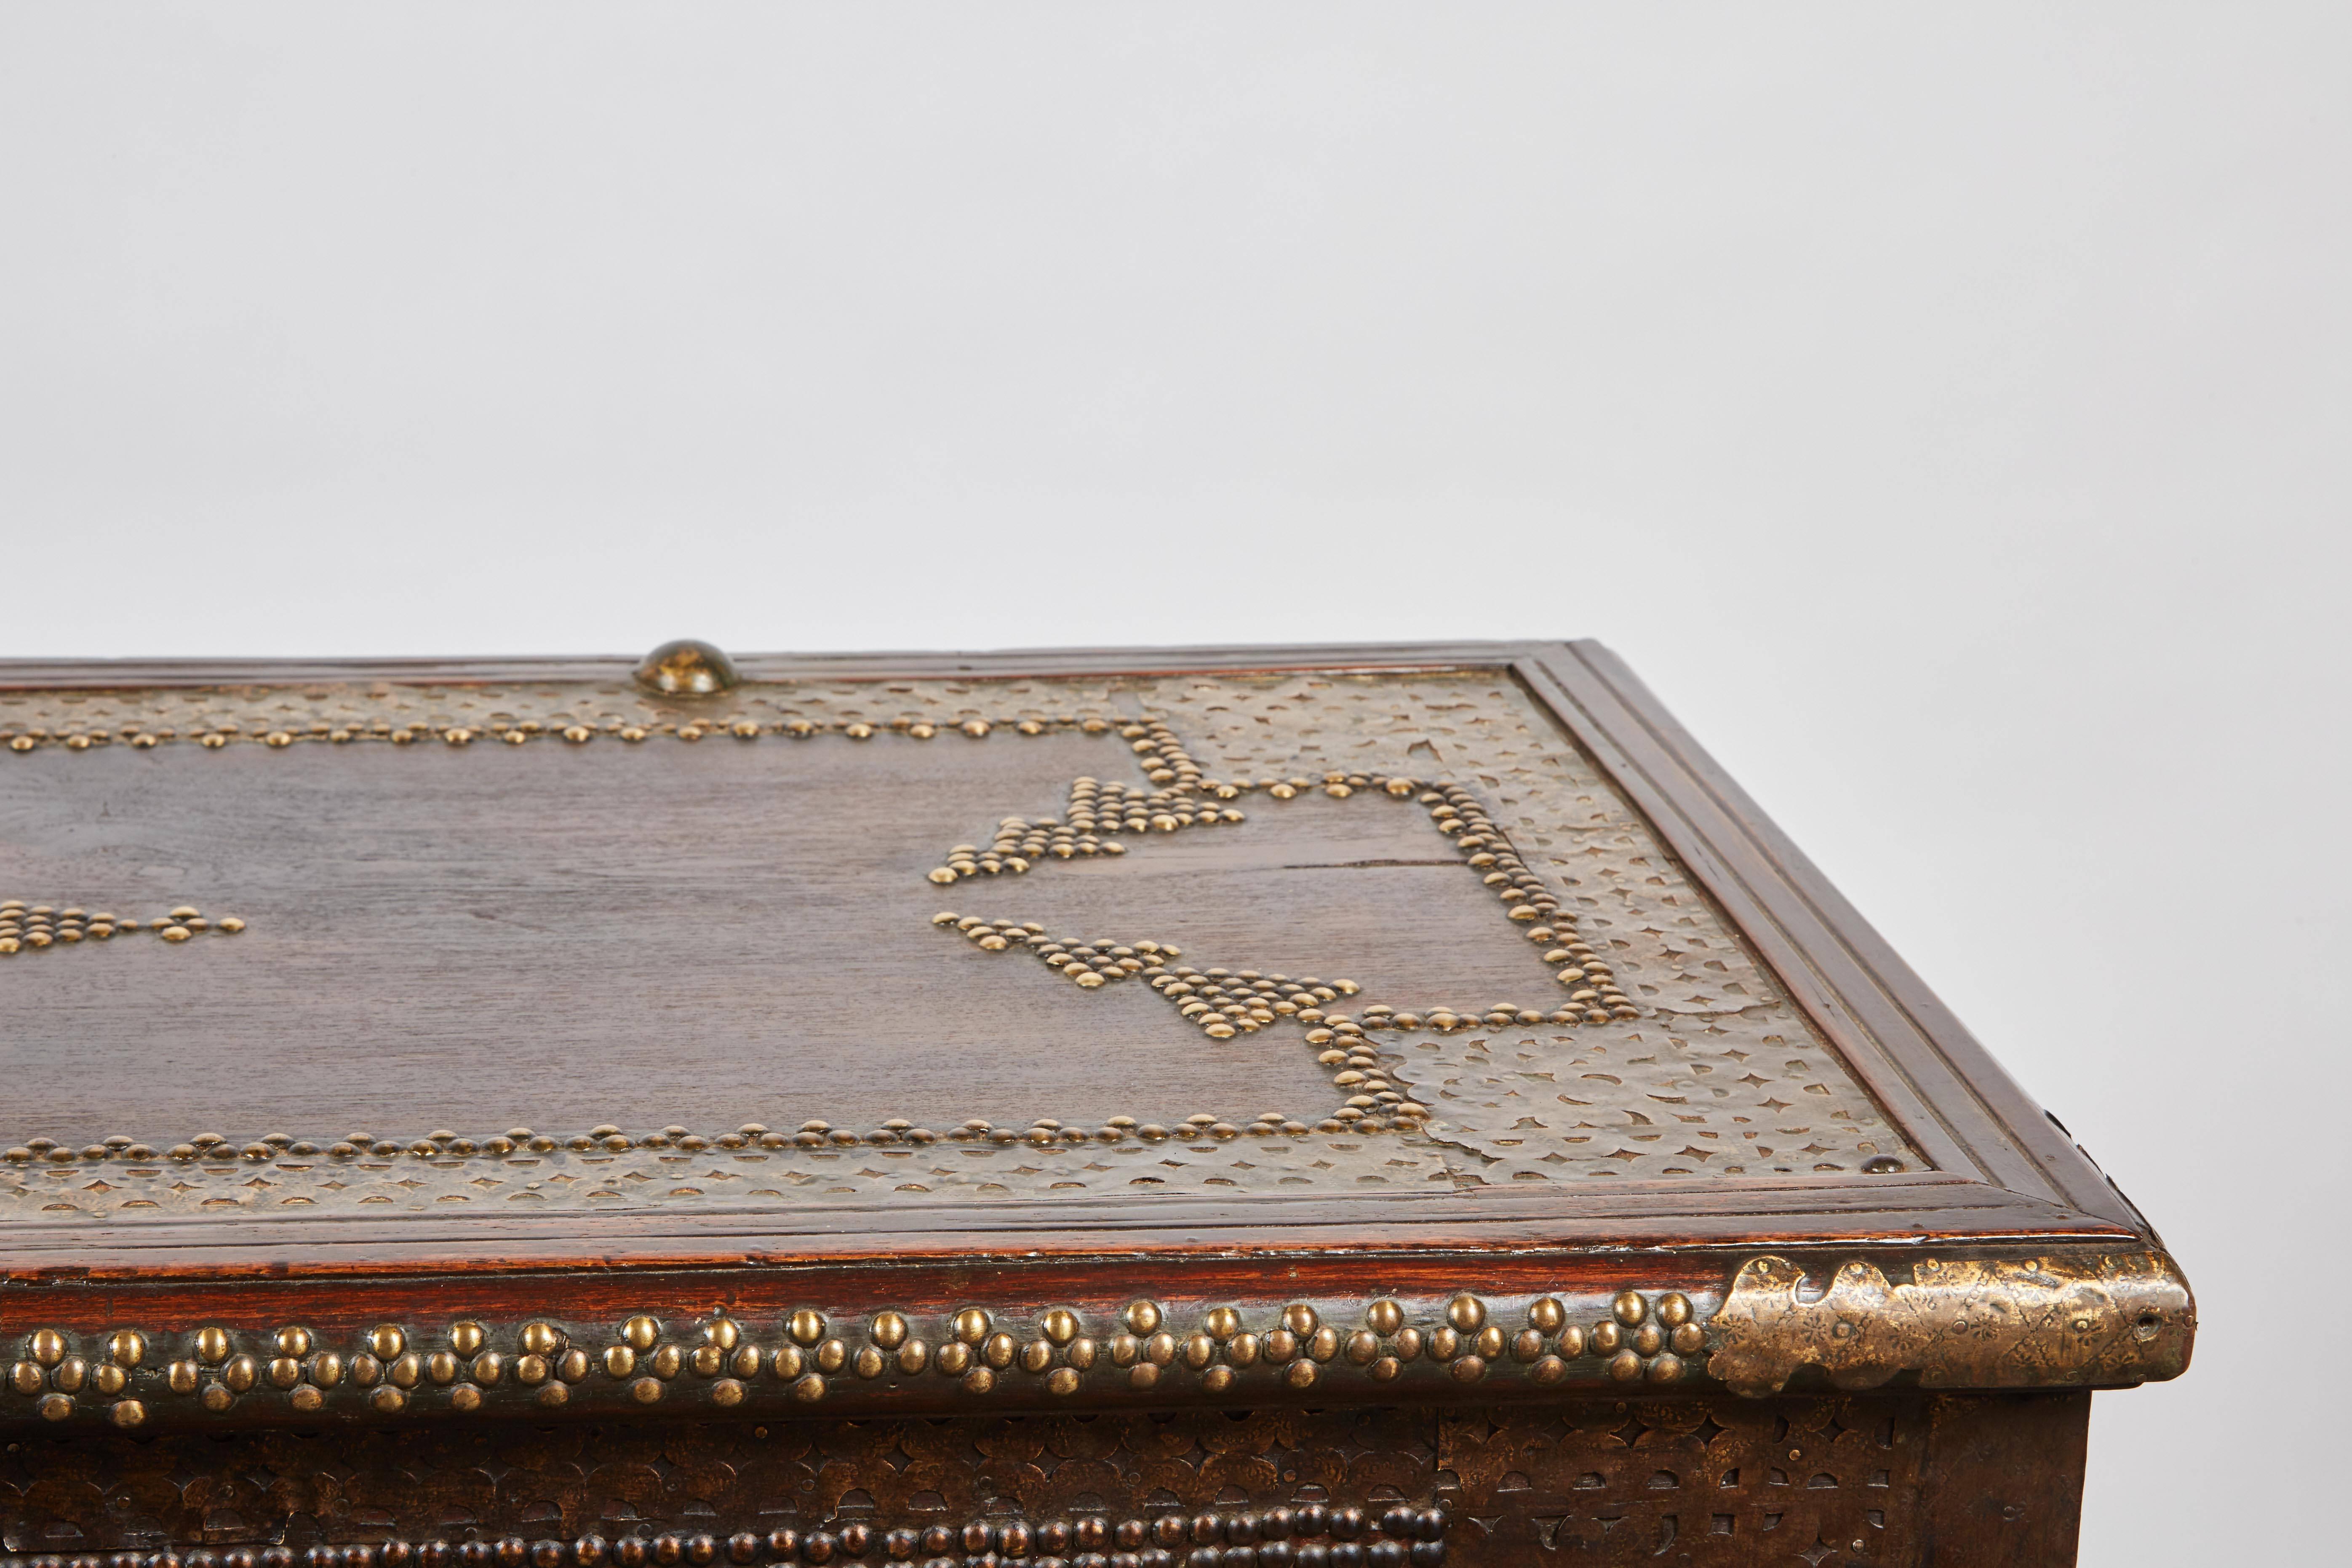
(640, 1333)
(466, 1338)
(386, 1341)
(687, 668)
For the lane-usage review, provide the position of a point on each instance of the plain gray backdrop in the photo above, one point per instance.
(1944, 409)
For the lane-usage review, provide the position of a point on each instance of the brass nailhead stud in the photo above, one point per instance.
(687, 668)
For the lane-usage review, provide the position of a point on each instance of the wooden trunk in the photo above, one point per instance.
(1296, 1106)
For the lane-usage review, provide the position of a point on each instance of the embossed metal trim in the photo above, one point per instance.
(2084, 1320)
(129, 1376)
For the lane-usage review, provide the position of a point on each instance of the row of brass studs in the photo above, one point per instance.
(1221, 1003)
(608, 1139)
(1097, 810)
(517, 732)
(1638, 1339)
(1309, 1536)
(37, 926)
(1594, 997)
(1486, 849)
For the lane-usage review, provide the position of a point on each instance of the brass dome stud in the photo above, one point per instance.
(687, 668)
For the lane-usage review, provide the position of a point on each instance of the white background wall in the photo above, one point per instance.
(1944, 409)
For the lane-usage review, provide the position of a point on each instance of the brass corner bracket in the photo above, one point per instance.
(2073, 1320)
